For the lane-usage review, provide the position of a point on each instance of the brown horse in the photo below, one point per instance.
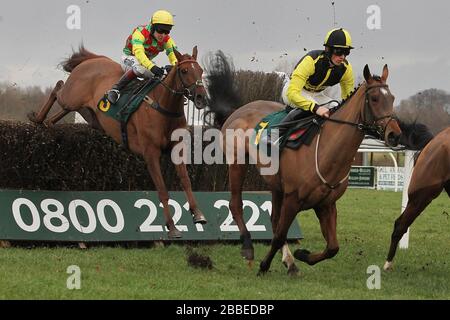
(149, 130)
(430, 177)
(298, 186)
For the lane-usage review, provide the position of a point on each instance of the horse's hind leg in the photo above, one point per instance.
(45, 109)
(236, 177)
(327, 218)
(287, 258)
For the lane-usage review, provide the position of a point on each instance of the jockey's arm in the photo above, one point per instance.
(169, 47)
(298, 80)
(137, 41)
(347, 81)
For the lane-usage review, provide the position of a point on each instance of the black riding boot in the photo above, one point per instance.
(294, 114)
(114, 93)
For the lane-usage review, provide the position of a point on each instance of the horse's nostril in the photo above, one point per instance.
(393, 139)
(200, 101)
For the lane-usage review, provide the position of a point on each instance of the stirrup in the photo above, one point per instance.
(109, 93)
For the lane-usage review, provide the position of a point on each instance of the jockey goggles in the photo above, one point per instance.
(341, 51)
(161, 30)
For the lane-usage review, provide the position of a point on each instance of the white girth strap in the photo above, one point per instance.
(317, 168)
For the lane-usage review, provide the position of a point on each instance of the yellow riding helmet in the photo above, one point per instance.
(338, 38)
(162, 17)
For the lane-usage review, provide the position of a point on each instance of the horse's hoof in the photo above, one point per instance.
(248, 254)
(174, 234)
(198, 217)
(263, 268)
(261, 273)
(388, 266)
(302, 254)
(293, 270)
(48, 124)
(32, 117)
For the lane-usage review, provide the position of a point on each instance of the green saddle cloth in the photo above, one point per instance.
(265, 126)
(131, 98)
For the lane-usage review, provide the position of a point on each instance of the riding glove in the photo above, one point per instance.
(157, 71)
(168, 68)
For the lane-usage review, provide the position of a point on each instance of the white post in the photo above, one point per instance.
(79, 118)
(396, 170)
(409, 164)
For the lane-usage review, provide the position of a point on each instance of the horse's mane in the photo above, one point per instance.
(375, 77)
(351, 93)
(415, 136)
(77, 58)
(343, 102)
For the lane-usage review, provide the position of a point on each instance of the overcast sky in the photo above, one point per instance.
(412, 37)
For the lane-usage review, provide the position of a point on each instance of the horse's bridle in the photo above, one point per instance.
(189, 91)
(368, 118)
(369, 122)
(368, 126)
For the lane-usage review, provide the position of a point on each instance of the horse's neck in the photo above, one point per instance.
(352, 110)
(343, 140)
(167, 99)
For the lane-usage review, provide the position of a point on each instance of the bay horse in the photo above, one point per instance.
(297, 185)
(431, 175)
(149, 130)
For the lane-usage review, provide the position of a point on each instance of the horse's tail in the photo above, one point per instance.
(78, 58)
(223, 93)
(415, 136)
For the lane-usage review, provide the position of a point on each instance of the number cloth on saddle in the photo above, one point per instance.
(131, 98)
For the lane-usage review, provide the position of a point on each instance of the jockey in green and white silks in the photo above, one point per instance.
(143, 45)
(317, 71)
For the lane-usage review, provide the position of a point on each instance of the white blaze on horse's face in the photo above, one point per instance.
(384, 92)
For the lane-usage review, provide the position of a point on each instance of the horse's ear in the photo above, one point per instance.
(194, 53)
(367, 74)
(178, 54)
(385, 74)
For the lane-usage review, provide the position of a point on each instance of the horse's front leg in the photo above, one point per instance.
(45, 109)
(287, 257)
(197, 215)
(415, 206)
(152, 158)
(289, 210)
(327, 216)
(54, 119)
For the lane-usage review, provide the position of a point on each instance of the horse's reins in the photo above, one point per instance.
(361, 126)
(366, 128)
(186, 92)
(187, 89)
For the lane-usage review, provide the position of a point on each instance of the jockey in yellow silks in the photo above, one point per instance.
(143, 45)
(317, 71)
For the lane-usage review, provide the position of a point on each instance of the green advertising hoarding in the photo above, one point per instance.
(127, 216)
(362, 177)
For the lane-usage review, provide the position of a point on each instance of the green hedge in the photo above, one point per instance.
(76, 157)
